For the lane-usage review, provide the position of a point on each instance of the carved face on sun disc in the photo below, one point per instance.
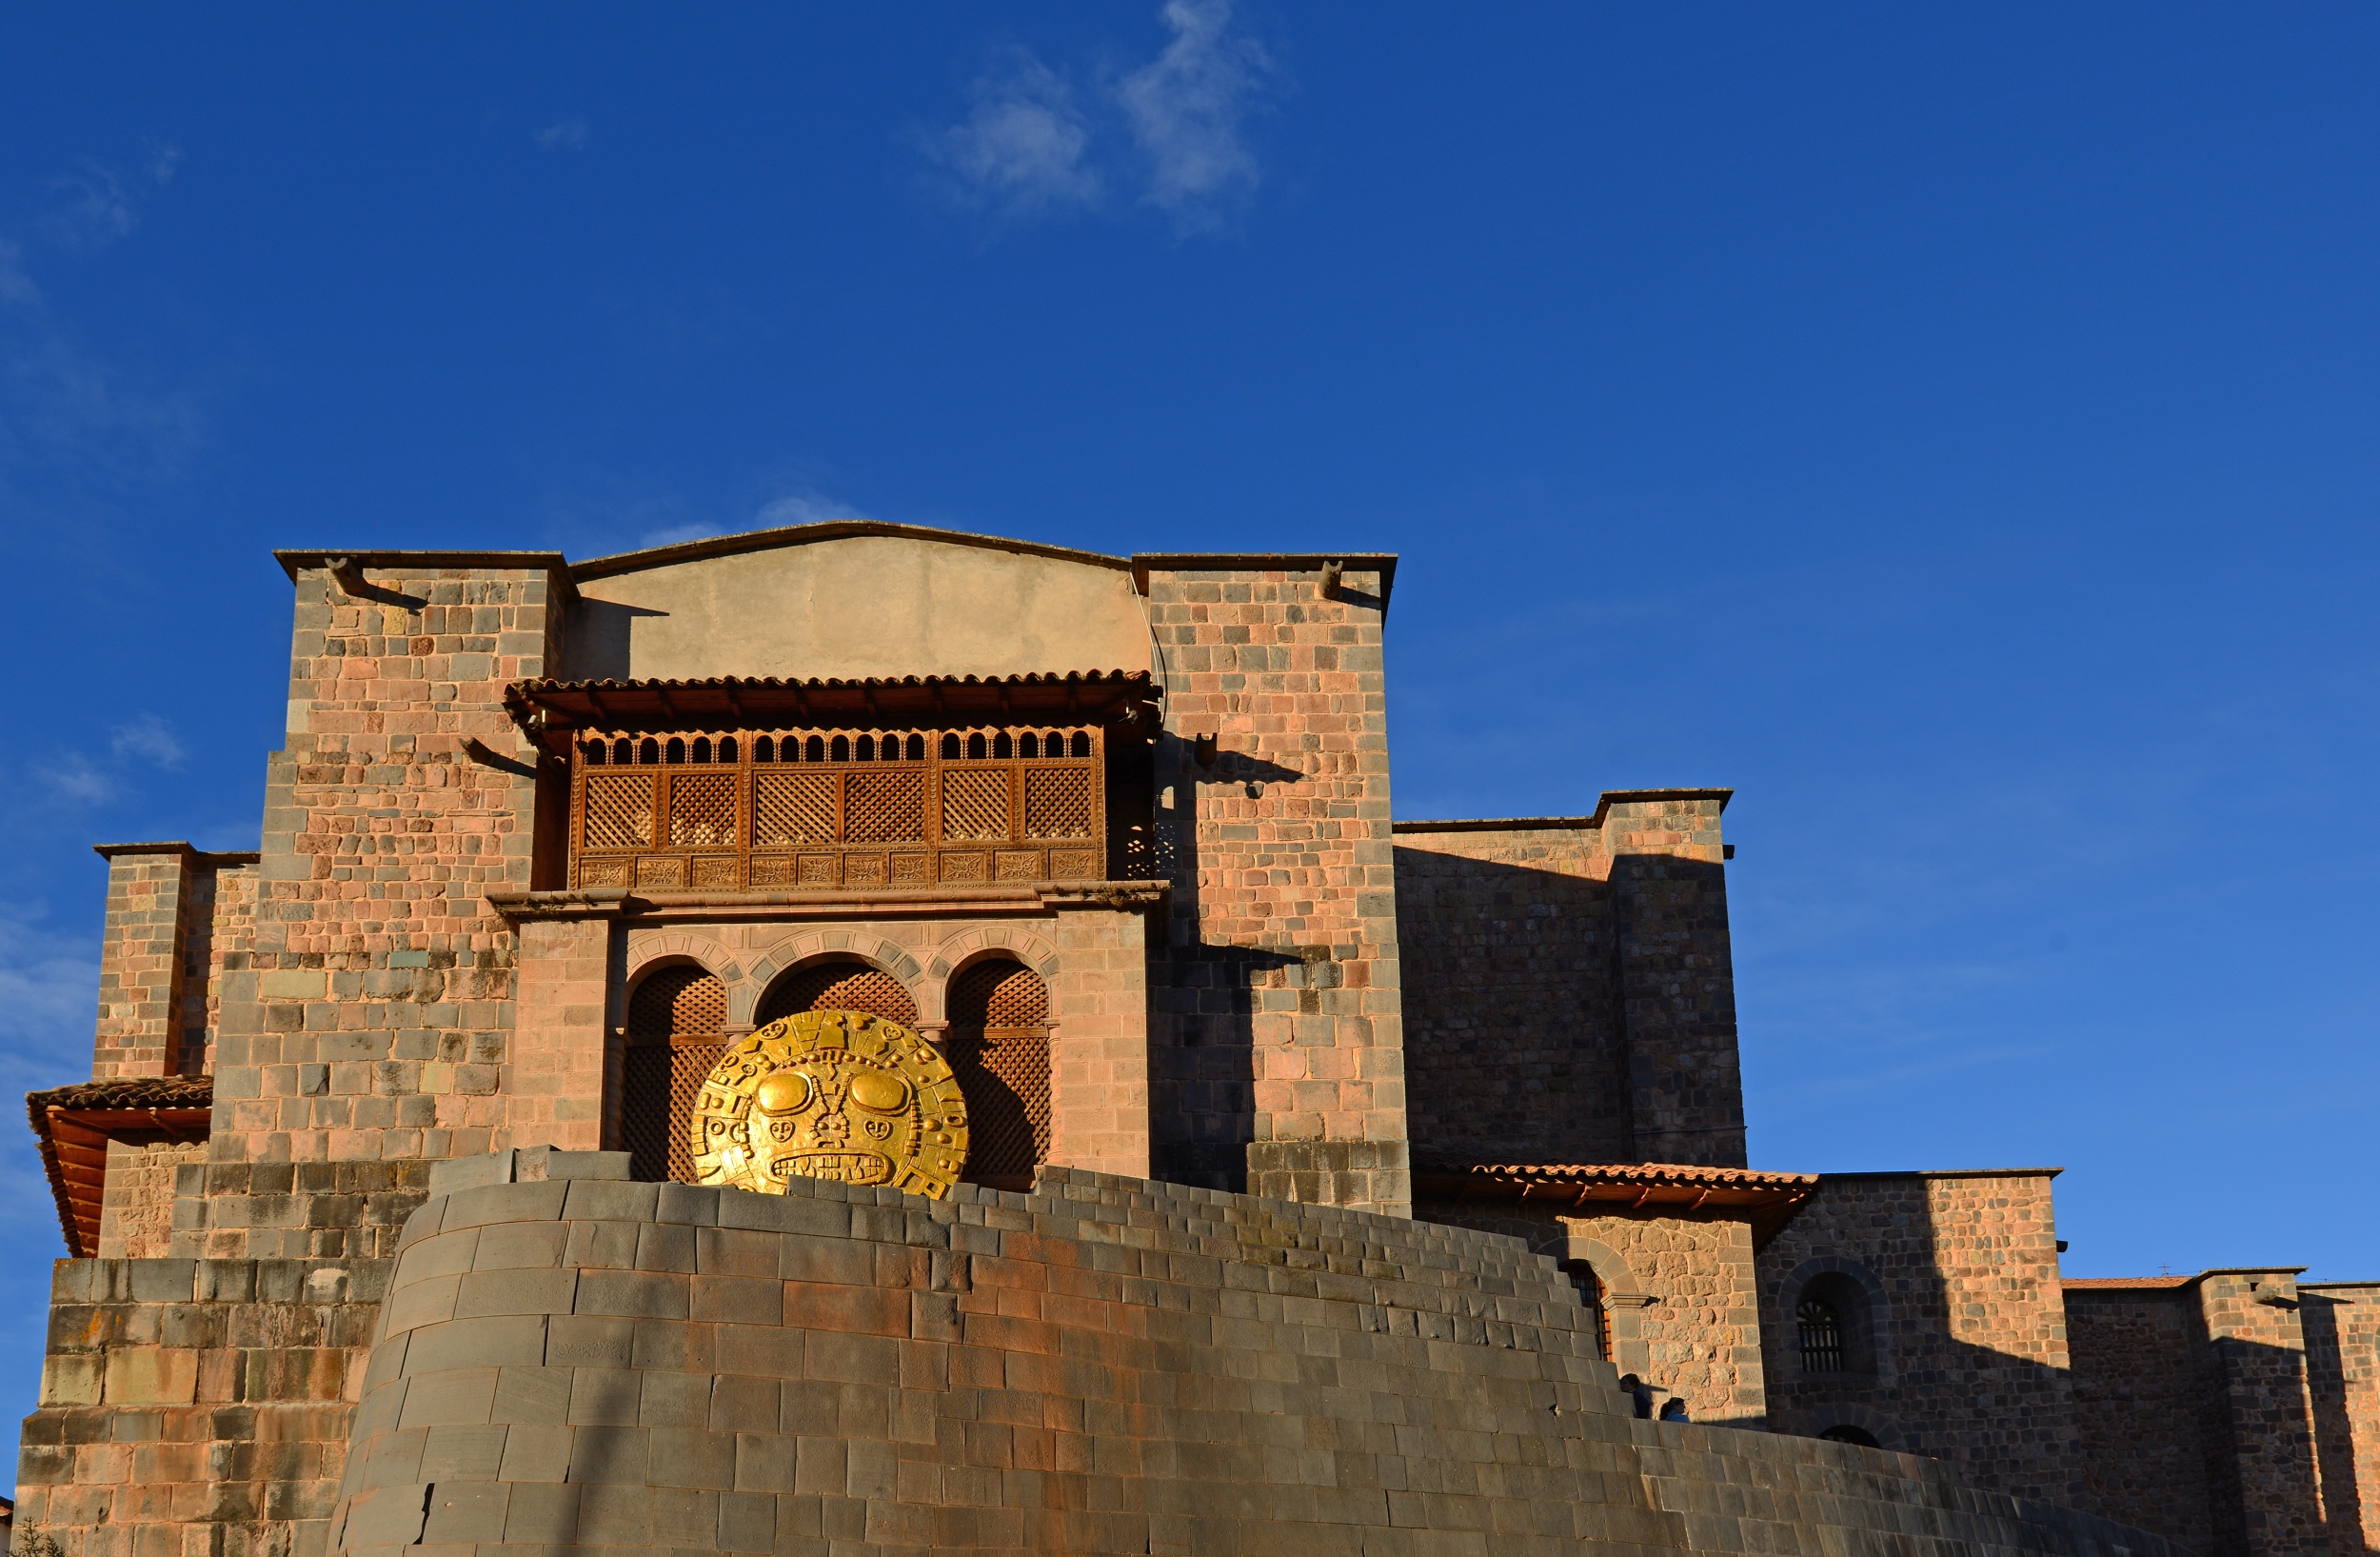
(839, 1096)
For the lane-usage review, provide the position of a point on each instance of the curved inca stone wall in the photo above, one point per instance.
(1106, 1366)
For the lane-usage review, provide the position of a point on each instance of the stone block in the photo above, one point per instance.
(532, 1164)
(633, 1293)
(531, 1395)
(692, 1458)
(460, 1173)
(497, 1203)
(151, 1376)
(543, 1515)
(747, 1523)
(458, 1452)
(519, 1291)
(465, 1512)
(513, 1245)
(537, 1452)
(513, 1340)
(605, 1200)
(590, 1340)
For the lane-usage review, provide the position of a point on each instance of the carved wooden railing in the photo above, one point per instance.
(755, 809)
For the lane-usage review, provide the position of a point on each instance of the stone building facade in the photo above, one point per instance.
(1337, 1182)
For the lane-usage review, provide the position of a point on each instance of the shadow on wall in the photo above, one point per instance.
(1514, 1048)
(2152, 1422)
(1203, 997)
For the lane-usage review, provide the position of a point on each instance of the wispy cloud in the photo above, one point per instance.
(97, 213)
(1188, 108)
(15, 286)
(1023, 150)
(565, 136)
(164, 162)
(73, 778)
(49, 990)
(146, 739)
(1170, 133)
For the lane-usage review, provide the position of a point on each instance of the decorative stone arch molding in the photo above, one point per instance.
(1878, 1320)
(981, 944)
(650, 954)
(1624, 1298)
(884, 955)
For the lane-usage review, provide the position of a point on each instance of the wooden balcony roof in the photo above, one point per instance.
(74, 1125)
(1076, 697)
(1768, 1201)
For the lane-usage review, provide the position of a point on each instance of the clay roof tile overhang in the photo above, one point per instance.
(74, 1125)
(548, 709)
(1768, 1201)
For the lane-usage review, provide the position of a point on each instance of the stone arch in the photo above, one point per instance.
(1873, 1317)
(1625, 1297)
(1815, 1422)
(817, 946)
(981, 944)
(648, 954)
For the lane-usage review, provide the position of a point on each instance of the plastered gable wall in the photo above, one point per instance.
(1970, 1355)
(1277, 1021)
(857, 606)
(1570, 992)
(369, 1029)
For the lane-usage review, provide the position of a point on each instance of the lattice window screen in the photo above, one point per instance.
(702, 810)
(999, 1046)
(1057, 803)
(975, 804)
(674, 1018)
(620, 812)
(793, 808)
(884, 809)
(838, 986)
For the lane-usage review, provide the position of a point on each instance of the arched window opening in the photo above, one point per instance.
(815, 750)
(1032, 746)
(974, 745)
(728, 749)
(676, 752)
(674, 1039)
(1002, 747)
(649, 752)
(1082, 743)
(1845, 1433)
(701, 748)
(595, 753)
(840, 750)
(998, 1048)
(845, 986)
(1832, 1330)
(916, 748)
(1591, 1296)
(950, 748)
(867, 748)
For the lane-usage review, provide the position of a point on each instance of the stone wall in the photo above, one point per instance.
(1108, 1366)
(1960, 1277)
(196, 1408)
(177, 917)
(1685, 1316)
(1570, 989)
(2341, 1321)
(1276, 1024)
(136, 1204)
(2142, 1378)
(371, 1024)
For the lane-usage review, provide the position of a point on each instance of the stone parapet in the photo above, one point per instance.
(1107, 1365)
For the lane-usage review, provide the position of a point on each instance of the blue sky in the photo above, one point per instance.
(1954, 430)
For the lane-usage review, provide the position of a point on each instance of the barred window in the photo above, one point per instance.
(1591, 1295)
(1820, 1330)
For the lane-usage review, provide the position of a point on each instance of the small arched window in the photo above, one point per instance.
(1845, 1433)
(1591, 1296)
(1819, 1326)
(1832, 1329)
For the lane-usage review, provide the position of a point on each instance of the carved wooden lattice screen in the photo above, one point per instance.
(837, 987)
(674, 1021)
(998, 1048)
(794, 808)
